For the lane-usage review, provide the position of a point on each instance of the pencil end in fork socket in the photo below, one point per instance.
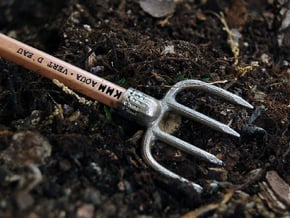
(140, 107)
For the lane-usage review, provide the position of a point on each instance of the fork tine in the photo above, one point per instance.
(185, 146)
(170, 100)
(224, 94)
(148, 140)
(206, 87)
(201, 118)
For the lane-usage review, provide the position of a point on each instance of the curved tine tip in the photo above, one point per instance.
(240, 101)
(197, 187)
(230, 131)
(149, 138)
(210, 88)
(220, 163)
(188, 148)
(201, 118)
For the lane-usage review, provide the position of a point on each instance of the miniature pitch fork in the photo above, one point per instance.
(145, 109)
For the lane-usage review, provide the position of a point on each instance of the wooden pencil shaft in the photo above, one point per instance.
(54, 68)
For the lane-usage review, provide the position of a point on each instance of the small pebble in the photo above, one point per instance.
(85, 211)
(286, 63)
(87, 27)
(27, 147)
(92, 196)
(24, 200)
(158, 8)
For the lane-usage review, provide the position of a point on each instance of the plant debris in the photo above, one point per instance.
(279, 186)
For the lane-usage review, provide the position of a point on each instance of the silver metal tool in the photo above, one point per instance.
(143, 108)
(150, 112)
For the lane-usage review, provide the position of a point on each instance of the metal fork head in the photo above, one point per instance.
(150, 112)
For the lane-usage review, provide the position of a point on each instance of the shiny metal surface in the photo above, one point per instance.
(150, 112)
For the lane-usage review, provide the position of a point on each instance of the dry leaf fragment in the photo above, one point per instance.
(237, 14)
(275, 192)
(284, 30)
(200, 15)
(233, 37)
(279, 186)
(266, 193)
(67, 90)
(158, 8)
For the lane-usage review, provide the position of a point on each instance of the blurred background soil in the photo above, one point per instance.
(62, 158)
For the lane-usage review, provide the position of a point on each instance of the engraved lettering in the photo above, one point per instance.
(79, 76)
(20, 51)
(83, 79)
(109, 91)
(60, 68)
(102, 87)
(57, 67)
(40, 59)
(94, 83)
(117, 94)
(50, 64)
(86, 80)
(25, 53)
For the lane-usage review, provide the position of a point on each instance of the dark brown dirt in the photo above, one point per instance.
(94, 167)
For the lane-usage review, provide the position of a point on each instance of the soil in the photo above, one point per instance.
(62, 158)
